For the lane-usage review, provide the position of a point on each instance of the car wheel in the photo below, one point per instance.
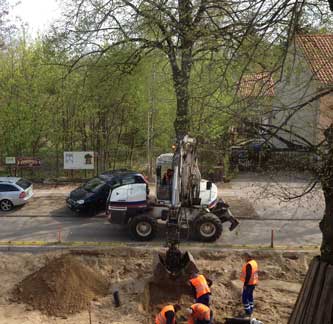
(208, 227)
(91, 211)
(142, 228)
(88, 212)
(6, 205)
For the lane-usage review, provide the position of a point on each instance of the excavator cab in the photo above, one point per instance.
(164, 178)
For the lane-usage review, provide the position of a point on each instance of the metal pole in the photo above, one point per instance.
(150, 129)
(89, 311)
(148, 144)
(59, 234)
(272, 239)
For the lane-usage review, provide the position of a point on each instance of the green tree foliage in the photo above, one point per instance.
(184, 32)
(26, 97)
(118, 86)
(45, 110)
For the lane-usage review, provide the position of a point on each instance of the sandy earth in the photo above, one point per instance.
(130, 270)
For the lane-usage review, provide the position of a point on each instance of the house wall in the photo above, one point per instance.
(325, 115)
(295, 88)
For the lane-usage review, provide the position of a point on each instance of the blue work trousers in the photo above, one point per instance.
(203, 299)
(247, 298)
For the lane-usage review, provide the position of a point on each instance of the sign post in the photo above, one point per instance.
(79, 160)
(10, 160)
(27, 163)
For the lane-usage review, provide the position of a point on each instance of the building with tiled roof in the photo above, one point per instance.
(318, 53)
(255, 93)
(256, 85)
(307, 72)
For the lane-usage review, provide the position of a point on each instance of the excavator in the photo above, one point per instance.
(185, 204)
(189, 195)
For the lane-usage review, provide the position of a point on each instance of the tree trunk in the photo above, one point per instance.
(181, 123)
(181, 74)
(315, 300)
(326, 225)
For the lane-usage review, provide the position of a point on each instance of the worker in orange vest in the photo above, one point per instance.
(199, 314)
(201, 288)
(249, 276)
(167, 315)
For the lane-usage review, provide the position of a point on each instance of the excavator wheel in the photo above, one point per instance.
(207, 227)
(142, 228)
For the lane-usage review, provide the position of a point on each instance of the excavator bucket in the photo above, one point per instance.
(174, 266)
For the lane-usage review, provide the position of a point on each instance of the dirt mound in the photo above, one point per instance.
(64, 286)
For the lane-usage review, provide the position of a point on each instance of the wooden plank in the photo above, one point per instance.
(306, 299)
(314, 298)
(305, 292)
(324, 310)
(299, 305)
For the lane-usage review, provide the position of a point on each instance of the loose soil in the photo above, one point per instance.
(129, 270)
(64, 286)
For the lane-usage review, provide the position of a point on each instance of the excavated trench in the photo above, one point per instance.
(157, 295)
(58, 285)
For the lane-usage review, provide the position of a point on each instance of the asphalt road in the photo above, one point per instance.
(253, 199)
(70, 229)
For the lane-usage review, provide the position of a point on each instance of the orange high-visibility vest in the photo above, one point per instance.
(201, 312)
(254, 275)
(200, 285)
(160, 317)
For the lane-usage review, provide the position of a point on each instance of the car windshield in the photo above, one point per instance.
(24, 184)
(94, 185)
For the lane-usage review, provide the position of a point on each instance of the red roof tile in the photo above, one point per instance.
(318, 52)
(256, 84)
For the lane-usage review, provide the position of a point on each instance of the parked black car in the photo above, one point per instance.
(92, 195)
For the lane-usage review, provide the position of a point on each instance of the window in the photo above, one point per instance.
(128, 180)
(115, 183)
(94, 185)
(24, 184)
(7, 188)
(139, 179)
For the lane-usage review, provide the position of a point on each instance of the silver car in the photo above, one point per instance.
(14, 192)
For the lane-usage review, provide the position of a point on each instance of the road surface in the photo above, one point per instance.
(253, 200)
(74, 229)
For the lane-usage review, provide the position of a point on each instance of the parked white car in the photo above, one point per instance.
(14, 192)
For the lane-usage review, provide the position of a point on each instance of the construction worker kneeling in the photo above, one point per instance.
(201, 288)
(167, 315)
(200, 314)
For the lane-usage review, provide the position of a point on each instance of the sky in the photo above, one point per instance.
(39, 14)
